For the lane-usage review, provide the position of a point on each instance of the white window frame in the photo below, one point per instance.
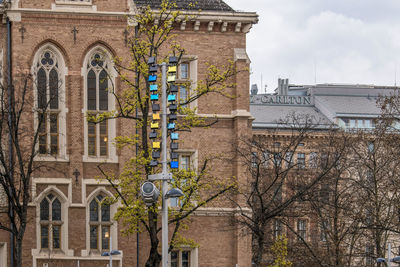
(64, 226)
(111, 124)
(113, 226)
(306, 223)
(193, 256)
(192, 61)
(62, 109)
(193, 163)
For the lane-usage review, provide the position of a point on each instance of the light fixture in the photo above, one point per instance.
(174, 193)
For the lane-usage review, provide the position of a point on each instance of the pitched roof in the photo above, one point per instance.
(267, 116)
(210, 5)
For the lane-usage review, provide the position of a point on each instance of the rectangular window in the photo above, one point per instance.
(93, 237)
(301, 160)
(174, 259)
(183, 96)
(301, 229)
(56, 236)
(180, 258)
(105, 237)
(185, 258)
(54, 133)
(44, 236)
(277, 228)
(184, 71)
(323, 230)
(277, 159)
(91, 139)
(289, 159)
(185, 162)
(353, 123)
(103, 138)
(42, 133)
(313, 160)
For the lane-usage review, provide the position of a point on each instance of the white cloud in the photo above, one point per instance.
(349, 41)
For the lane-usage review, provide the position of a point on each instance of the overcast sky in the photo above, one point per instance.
(323, 41)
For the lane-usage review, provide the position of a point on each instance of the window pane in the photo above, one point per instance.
(183, 95)
(41, 88)
(174, 259)
(56, 210)
(105, 241)
(103, 93)
(91, 90)
(105, 213)
(93, 237)
(185, 258)
(53, 85)
(301, 160)
(44, 236)
(103, 138)
(56, 236)
(184, 70)
(54, 144)
(91, 139)
(185, 162)
(44, 210)
(94, 211)
(43, 144)
(54, 123)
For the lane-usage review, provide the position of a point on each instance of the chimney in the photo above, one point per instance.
(254, 89)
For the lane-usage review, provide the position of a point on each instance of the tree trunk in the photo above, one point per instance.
(18, 252)
(154, 259)
(258, 251)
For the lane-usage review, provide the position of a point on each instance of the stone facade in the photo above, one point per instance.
(71, 30)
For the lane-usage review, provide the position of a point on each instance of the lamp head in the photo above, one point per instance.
(173, 193)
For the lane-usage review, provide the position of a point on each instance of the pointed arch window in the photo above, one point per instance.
(50, 222)
(99, 223)
(98, 84)
(48, 70)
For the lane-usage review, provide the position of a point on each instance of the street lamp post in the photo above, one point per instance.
(148, 189)
(389, 260)
(111, 252)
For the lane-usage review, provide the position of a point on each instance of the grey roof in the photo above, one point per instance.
(362, 105)
(271, 115)
(211, 5)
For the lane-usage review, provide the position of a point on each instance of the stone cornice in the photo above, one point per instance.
(242, 21)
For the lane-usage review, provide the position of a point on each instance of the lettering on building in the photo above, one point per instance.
(280, 100)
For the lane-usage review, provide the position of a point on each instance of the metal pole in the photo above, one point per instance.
(389, 257)
(110, 265)
(164, 167)
(10, 142)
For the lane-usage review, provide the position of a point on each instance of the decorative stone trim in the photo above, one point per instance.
(197, 25)
(224, 25)
(210, 26)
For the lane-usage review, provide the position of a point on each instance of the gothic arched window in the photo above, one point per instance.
(50, 222)
(98, 99)
(99, 223)
(49, 71)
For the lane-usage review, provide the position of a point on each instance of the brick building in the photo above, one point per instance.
(56, 40)
(347, 112)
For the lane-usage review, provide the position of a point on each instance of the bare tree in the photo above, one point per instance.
(18, 148)
(277, 183)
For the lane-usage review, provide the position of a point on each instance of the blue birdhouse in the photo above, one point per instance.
(152, 78)
(174, 165)
(174, 136)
